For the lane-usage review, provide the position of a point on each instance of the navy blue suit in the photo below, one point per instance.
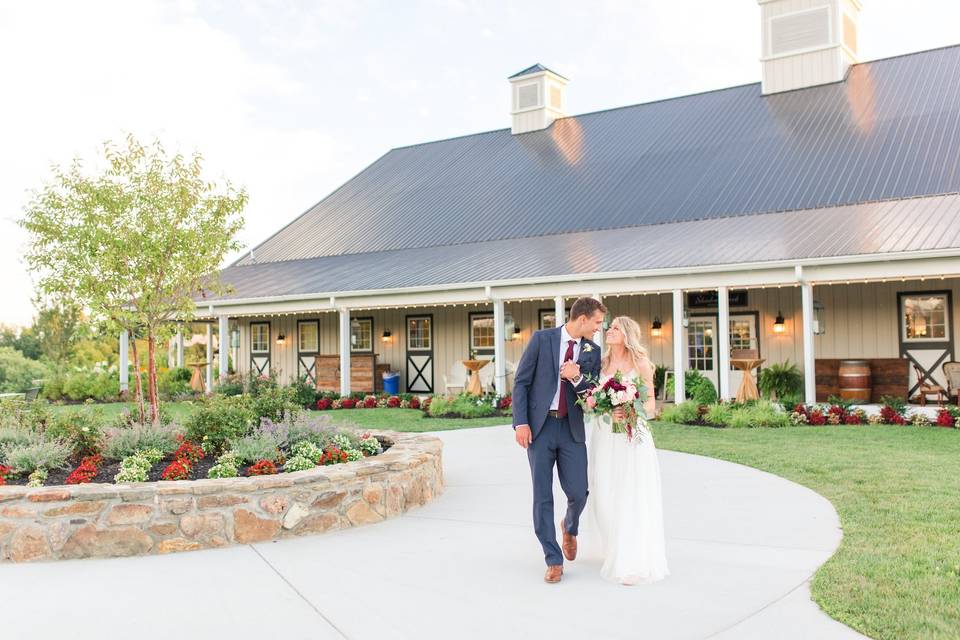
(556, 441)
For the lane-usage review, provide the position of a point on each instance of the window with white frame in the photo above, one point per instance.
(361, 334)
(548, 318)
(481, 332)
(418, 334)
(924, 317)
(309, 336)
(260, 337)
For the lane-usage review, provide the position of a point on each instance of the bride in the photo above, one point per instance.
(625, 501)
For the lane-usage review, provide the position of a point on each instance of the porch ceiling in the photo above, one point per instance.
(894, 227)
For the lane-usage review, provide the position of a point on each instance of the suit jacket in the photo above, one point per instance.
(535, 382)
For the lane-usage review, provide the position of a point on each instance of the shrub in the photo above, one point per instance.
(46, 454)
(262, 468)
(32, 416)
(304, 393)
(307, 449)
(691, 380)
(258, 446)
(4, 472)
(231, 386)
(256, 385)
(348, 403)
(218, 420)
(134, 468)
(780, 380)
(226, 467)
(896, 403)
(718, 414)
(414, 402)
(461, 406)
(353, 455)
(944, 419)
(92, 385)
(17, 437)
(276, 403)
(17, 372)
(175, 382)
(344, 441)
(369, 445)
(394, 402)
(122, 443)
(316, 429)
(298, 463)
(680, 413)
(80, 428)
(704, 392)
(37, 478)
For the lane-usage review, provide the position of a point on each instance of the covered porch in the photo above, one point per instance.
(897, 315)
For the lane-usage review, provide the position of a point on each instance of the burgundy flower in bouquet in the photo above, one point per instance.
(614, 394)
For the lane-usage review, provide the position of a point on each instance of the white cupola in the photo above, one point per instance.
(807, 42)
(538, 97)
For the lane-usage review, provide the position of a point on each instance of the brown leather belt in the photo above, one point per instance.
(553, 413)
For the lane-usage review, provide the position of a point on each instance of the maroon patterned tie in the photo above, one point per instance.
(562, 404)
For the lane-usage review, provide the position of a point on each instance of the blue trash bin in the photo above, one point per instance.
(391, 382)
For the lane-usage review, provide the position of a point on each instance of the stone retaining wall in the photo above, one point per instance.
(102, 520)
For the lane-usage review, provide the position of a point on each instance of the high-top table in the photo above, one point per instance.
(198, 379)
(748, 388)
(473, 366)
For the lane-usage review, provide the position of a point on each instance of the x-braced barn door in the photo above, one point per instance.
(260, 348)
(420, 354)
(926, 335)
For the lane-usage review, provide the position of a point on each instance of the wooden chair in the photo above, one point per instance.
(951, 371)
(927, 388)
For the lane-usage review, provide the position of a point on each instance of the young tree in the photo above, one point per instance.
(59, 325)
(136, 243)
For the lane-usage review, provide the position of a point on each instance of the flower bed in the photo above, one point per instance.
(464, 405)
(103, 519)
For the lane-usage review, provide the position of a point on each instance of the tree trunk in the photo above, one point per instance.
(138, 387)
(152, 378)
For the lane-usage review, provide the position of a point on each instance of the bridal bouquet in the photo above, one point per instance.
(615, 393)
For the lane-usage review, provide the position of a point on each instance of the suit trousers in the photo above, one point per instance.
(554, 445)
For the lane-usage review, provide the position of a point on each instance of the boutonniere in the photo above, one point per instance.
(587, 348)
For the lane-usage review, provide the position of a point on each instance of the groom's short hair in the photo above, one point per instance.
(586, 306)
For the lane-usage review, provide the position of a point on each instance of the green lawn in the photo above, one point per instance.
(109, 410)
(896, 574)
(406, 420)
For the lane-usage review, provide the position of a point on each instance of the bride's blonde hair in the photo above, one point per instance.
(631, 340)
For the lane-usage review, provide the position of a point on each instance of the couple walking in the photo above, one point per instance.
(623, 477)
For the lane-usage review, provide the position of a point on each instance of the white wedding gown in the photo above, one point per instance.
(625, 504)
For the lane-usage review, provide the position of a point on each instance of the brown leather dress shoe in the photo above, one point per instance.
(569, 545)
(554, 571)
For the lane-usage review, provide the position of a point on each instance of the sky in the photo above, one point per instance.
(291, 99)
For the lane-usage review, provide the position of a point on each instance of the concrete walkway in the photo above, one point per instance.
(742, 546)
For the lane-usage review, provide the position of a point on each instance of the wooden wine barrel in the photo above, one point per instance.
(855, 381)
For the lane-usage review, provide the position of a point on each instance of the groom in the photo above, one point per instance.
(548, 422)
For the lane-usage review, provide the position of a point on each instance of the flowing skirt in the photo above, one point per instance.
(625, 505)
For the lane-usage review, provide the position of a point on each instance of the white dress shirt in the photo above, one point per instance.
(564, 339)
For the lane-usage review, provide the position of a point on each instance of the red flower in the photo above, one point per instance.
(189, 453)
(348, 403)
(944, 418)
(816, 417)
(370, 402)
(414, 402)
(4, 472)
(802, 408)
(852, 418)
(393, 402)
(324, 403)
(505, 403)
(262, 468)
(86, 471)
(890, 416)
(837, 410)
(177, 470)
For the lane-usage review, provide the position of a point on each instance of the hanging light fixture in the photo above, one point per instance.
(779, 325)
(657, 328)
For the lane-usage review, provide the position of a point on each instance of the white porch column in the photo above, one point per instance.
(224, 339)
(499, 349)
(559, 309)
(679, 347)
(809, 364)
(723, 342)
(124, 361)
(209, 380)
(180, 348)
(344, 351)
(598, 336)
